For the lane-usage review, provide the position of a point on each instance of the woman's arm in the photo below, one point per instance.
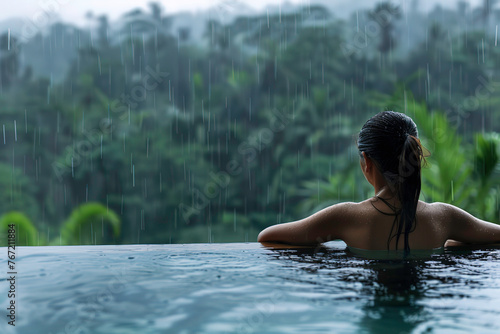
(466, 229)
(325, 225)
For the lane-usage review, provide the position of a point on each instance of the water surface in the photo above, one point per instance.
(247, 288)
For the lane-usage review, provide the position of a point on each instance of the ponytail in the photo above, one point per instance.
(408, 186)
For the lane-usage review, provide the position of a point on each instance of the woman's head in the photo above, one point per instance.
(390, 140)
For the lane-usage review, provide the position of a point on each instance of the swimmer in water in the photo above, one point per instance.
(391, 157)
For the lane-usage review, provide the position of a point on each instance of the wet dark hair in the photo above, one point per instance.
(390, 139)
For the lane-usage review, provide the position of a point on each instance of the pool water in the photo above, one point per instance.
(248, 288)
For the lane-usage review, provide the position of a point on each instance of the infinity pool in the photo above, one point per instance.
(247, 288)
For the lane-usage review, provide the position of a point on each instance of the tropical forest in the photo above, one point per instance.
(165, 128)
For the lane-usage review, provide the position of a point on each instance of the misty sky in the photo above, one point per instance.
(74, 10)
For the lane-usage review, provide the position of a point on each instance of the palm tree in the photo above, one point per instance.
(86, 225)
(26, 234)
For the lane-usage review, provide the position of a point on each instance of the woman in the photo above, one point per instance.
(394, 219)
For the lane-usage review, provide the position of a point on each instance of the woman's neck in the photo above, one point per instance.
(384, 192)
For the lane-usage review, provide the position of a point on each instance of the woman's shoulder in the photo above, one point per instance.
(437, 209)
(353, 208)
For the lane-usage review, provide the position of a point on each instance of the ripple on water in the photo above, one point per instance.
(244, 288)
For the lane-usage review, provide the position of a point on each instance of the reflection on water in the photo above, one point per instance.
(404, 295)
(389, 292)
(246, 288)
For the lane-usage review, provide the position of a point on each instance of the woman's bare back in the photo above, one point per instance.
(372, 221)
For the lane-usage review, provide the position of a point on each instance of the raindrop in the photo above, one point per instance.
(451, 45)
(322, 73)
(34, 143)
(284, 202)
(352, 93)
(357, 21)
(275, 67)
(143, 44)
(318, 188)
(202, 112)
(250, 109)
(496, 35)
(452, 192)
(249, 180)
(267, 201)
(482, 45)
(132, 46)
(142, 220)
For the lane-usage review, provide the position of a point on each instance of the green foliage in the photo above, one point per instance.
(487, 150)
(345, 185)
(279, 96)
(18, 192)
(85, 225)
(26, 233)
(447, 176)
(486, 160)
(231, 227)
